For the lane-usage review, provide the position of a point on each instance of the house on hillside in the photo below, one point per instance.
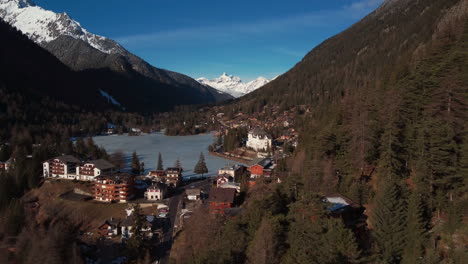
(235, 171)
(91, 169)
(157, 175)
(193, 194)
(221, 199)
(156, 192)
(259, 140)
(340, 206)
(65, 167)
(261, 168)
(114, 188)
(128, 227)
(223, 178)
(110, 228)
(174, 176)
(5, 166)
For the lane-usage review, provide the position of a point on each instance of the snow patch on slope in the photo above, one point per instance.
(111, 99)
(233, 85)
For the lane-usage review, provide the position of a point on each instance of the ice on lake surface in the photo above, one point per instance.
(185, 148)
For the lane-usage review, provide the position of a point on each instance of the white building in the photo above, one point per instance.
(235, 171)
(65, 167)
(259, 140)
(155, 192)
(91, 169)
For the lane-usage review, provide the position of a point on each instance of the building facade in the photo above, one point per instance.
(235, 171)
(259, 140)
(91, 169)
(173, 176)
(114, 188)
(155, 192)
(65, 167)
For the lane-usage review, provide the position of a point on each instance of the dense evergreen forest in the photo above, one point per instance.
(387, 128)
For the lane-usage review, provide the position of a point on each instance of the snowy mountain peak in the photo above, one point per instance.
(233, 85)
(21, 3)
(42, 25)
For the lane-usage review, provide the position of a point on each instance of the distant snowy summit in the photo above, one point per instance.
(42, 25)
(233, 85)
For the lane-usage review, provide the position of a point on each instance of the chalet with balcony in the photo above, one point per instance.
(114, 188)
(221, 199)
(91, 169)
(65, 167)
(174, 176)
(157, 175)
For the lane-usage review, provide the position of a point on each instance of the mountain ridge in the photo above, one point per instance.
(81, 51)
(233, 85)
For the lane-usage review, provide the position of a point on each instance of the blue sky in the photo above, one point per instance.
(208, 37)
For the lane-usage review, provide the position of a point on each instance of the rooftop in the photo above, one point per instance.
(193, 191)
(117, 178)
(221, 195)
(265, 162)
(67, 159)
(101, 164)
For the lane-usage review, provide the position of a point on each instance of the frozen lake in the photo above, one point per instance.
(185, 148)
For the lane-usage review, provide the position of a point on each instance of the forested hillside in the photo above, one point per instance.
(386, 126)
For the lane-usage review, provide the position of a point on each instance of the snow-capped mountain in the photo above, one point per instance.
(81, 50)
(41, 25)
(233, 85)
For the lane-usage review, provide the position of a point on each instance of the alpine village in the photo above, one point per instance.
(356, 154)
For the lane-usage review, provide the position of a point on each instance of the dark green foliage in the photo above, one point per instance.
(388, 221)
(136, 165)
(200, 167)
(15, 218)
(234, 138)
(416, 232)
(160, 165)
(135, 244)
(177, 164)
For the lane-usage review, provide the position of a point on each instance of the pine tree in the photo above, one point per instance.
(416, 230)
(135, 163)
(388, 221)
(135, 243)
(160, 163)
(200, 167)
(142, 167)
(177, 164)
(443, 162)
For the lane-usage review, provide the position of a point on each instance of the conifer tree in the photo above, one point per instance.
(135, 163)
(388, 221)
(136, 242)
(160, 162)
(177, 164)
(443, 152)
(416, 230)
(200, 167)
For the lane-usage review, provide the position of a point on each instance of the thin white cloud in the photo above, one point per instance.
(228, 32)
